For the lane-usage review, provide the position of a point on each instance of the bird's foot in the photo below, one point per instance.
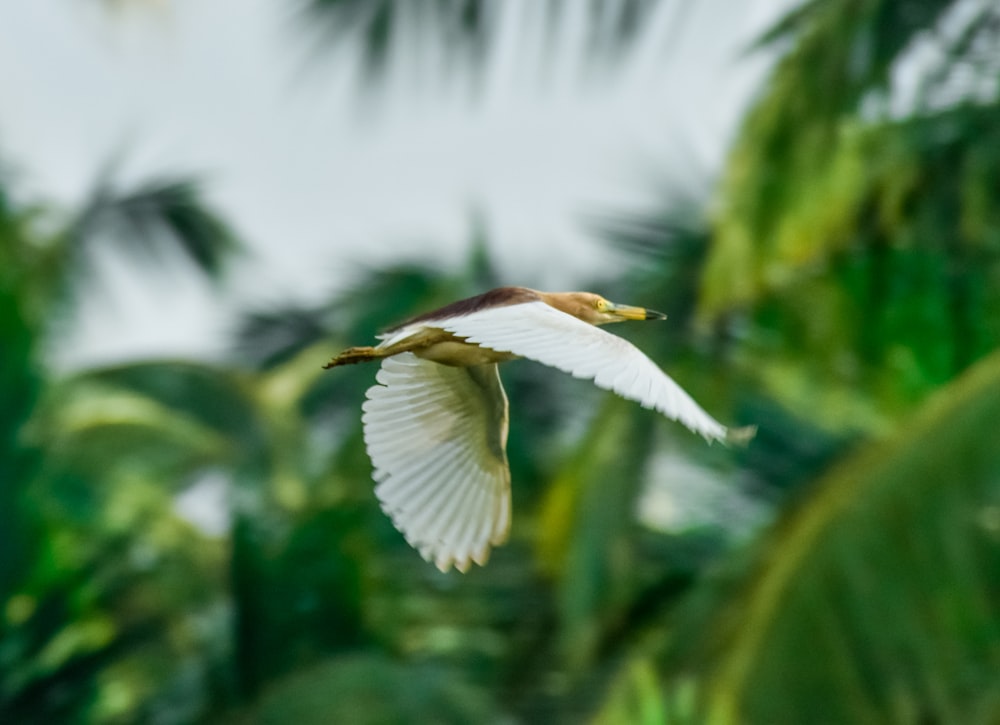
(353, 356)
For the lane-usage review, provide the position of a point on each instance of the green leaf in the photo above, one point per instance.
(159, 211)
(586, 525)
(270, 337)
(371, 688)
(20, 383)
(635, 697)
(218, 398)
(465, 29)
(877, 598)
(806, 174)
(91, 429)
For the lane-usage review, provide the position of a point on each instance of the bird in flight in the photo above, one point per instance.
(435, 425)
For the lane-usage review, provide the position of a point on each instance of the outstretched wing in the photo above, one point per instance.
(437, 437)
(540, 332)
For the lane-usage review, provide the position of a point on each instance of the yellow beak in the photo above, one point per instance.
(636, 313)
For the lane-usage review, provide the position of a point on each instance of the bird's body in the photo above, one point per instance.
(436, 424)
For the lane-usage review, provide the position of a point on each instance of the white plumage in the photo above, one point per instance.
(542, 333)
(437, 435)
(436, 423)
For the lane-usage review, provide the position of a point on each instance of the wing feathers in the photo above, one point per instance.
(436, 436)
(540, 332)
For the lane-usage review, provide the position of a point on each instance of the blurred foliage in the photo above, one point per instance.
(368, 690)
(186, 541)
(877, 598)
(19, 386)
(464, 31)
(90, 567)
(138, 217)
(859, 228)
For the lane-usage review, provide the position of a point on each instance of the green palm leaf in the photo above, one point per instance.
(371, 688)
(142, 219)
(465, 29)
(822, 165)
(877, 599)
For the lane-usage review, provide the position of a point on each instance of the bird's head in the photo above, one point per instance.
(596, 310)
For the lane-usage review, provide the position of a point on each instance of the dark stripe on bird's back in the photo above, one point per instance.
(499, 297)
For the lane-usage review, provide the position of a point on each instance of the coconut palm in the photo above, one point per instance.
(838, 293)
(463, 31)
(54, 628)
(849, 268)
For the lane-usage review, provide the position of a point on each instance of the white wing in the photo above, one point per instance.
(540, 332)
(437, 436)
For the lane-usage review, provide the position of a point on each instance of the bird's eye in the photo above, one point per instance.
(602, 305)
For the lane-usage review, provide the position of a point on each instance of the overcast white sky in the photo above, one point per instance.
(318, 180)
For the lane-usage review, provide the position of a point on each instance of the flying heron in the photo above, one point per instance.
(435, 425)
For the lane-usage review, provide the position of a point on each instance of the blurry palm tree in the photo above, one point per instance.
(851, 270)
(876, 599)
(462, 33)
(858, 219)
(57, 572)
(839, 293)
(19, 387)
(849, 275)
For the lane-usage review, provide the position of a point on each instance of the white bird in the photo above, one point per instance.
(435, 425)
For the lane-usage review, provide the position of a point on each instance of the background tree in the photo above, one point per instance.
(61, 558)
(838, 291)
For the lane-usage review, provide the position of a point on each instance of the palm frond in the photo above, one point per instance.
(20, 386)
(267, 338)
(464, 29)
(800, 182)
(375, 688)
(876, 598)
(154, 216)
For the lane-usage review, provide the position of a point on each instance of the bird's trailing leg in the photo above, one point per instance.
(433, 344)
(355, 355)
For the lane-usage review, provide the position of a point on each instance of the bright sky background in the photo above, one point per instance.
(320, 177)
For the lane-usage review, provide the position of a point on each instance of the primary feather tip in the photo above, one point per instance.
(741, 436)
